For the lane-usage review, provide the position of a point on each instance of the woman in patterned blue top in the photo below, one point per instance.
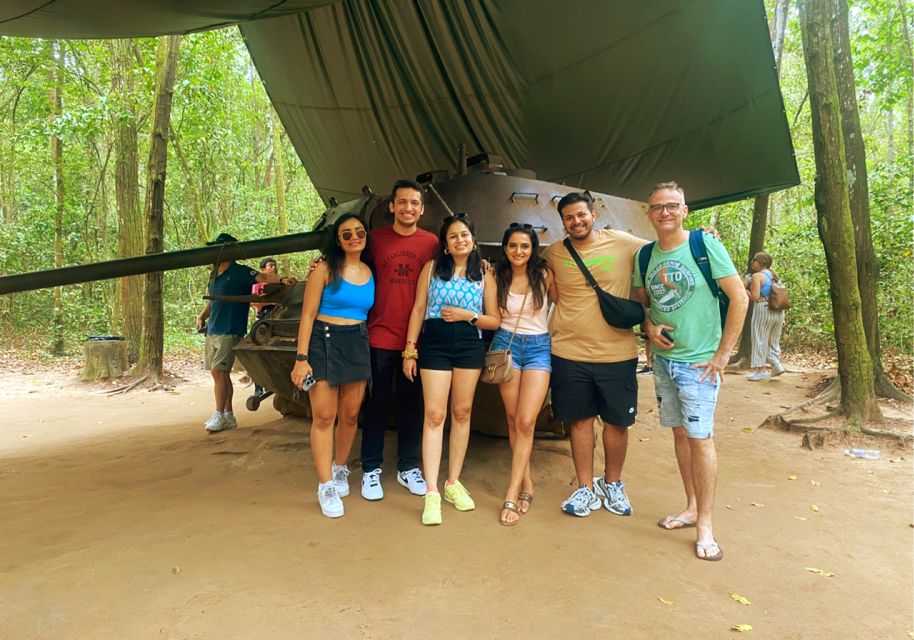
(454, 300)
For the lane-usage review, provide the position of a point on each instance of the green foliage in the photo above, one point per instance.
(220, 177)
(221, 123)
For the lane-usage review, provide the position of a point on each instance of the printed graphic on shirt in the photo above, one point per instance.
(397, 266)
(670, 284)
(602, 263)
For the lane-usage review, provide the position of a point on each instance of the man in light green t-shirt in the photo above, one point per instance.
(690, 352)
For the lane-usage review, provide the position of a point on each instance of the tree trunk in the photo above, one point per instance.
(203, 225)
(858, 184)
(907, 26)
(279, 183)
(151, 347)
(55, 97)
(760, 207)
(129, 299)
(832, 198)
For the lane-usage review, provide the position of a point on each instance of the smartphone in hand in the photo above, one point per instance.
(666, 334)
(308, 382)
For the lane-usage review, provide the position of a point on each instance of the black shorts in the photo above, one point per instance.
(582, 390)
(444, 346)
(339, 353)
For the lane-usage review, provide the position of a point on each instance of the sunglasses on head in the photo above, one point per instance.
(347, 234)
(455, 216)
(519, 225)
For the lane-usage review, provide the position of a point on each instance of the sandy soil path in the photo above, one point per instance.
(120, 518)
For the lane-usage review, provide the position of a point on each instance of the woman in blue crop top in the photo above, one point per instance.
(453, 301)
(767, 323)
(332, 358)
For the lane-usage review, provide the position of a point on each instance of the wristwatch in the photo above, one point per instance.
(474, 319)
(301, 357)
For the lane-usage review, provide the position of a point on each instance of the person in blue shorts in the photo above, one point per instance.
(690, 352)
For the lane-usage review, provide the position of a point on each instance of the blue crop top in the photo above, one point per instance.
(348, 300)
(765, 289)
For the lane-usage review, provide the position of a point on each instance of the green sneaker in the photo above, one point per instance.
(432, 512)
(457, 495)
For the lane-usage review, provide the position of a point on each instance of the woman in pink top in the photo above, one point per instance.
(524, 287)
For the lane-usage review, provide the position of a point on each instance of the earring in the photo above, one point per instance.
(446, 252)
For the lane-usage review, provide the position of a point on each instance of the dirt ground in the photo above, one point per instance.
(121, 518)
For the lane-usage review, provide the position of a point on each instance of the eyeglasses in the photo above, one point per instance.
(672, 207)
(347, 234)
(518, 225)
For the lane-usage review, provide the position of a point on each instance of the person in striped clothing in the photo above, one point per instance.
(767, 323)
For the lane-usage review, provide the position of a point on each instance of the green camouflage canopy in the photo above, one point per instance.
(611, 95)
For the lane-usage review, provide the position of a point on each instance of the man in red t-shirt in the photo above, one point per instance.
(397, 254)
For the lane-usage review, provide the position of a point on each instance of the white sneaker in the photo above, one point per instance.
(341, 479)
(777, 369)
(413, 481)
(371, 485)
(759, 376)
(582, 502)
(215, 423)
(329, 499)
(229, 419)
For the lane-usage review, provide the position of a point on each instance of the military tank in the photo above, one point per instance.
(493, 195)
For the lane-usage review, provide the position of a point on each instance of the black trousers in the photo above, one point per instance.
(387, 379)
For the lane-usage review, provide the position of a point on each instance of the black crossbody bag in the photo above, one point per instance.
(618, 312)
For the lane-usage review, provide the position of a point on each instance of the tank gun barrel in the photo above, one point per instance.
(162, 262)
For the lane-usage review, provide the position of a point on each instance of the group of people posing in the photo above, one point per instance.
(399, 308)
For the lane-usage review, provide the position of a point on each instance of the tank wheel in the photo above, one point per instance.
(261, 332)
(252, 403)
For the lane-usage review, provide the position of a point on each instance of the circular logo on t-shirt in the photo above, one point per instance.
(671, 284)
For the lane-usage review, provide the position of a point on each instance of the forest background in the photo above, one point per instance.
(231, 168)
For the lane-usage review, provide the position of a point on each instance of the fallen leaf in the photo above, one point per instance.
(668, 603)
(174, 393)
(791, 477)
(741, 627)
(176, 570)
(747, 429)
(827, 574)
(801, 518)
(758, 504)
(814, 508)
(815, 483)
(739, 598)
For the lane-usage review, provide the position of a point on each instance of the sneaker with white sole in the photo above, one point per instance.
(371, 485)
(759, 376)
(458, 496)
(215, 423)
(413, 481)
(229, 418)
(341, 479)
(777, 369)
(581, 502)
(329, 499)
(431, 514)
(614, 498)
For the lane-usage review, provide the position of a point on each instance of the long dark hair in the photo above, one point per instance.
(444, 262)
(536, 268)
(334, 253)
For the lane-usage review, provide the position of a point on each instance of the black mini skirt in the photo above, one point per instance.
(339, 353)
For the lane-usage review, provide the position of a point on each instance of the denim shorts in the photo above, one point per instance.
(527, 351)
(683, 401)
(339, 353)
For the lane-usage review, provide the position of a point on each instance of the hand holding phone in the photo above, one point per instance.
(666, 334)
(308, 382)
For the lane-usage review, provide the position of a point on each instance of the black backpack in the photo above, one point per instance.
(700, 255)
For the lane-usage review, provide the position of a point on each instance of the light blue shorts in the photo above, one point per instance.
(683, 401)
(527, 351)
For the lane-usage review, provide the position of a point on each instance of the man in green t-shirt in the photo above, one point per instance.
(690, 351)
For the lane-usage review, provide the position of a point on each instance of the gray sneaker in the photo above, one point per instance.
(614, 498)
(341, 479)
(229, 419)
(329, 499)
(215, 423)
(581, 502)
